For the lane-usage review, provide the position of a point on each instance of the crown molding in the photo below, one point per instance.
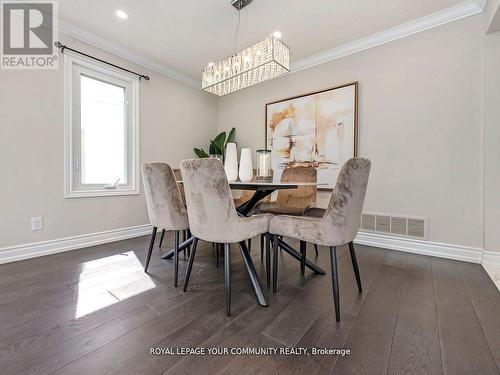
(96, 41)
(481, 4)
(455, 13)
(442, 17)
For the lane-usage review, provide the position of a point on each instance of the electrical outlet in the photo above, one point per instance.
(37, 223)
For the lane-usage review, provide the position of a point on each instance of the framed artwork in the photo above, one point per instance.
(318, 130)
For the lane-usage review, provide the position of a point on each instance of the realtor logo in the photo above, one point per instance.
(28, 34)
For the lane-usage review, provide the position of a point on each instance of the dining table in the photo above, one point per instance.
(261, 190)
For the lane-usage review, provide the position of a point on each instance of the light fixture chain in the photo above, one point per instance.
(236, 31)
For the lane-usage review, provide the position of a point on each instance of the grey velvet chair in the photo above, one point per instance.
(185, 233)
(293, 202)
(338, 226)
(165, 207)
(213, 218)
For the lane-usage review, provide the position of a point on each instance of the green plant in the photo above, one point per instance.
(217, 145)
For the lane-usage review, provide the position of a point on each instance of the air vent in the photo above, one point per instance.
(383, 223)
(368, 222)
(396, 225)
(416, 228)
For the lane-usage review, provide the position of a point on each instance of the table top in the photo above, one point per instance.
(274, 185)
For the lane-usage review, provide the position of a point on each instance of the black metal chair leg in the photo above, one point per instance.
(275, 263)
(303, 252)
(355, 266)
(249, 245)
(162, 236)
(176, 258)
(247, 260)
(188, 236)
(316, 249)
(268, 258)
(262, 246)
(335, 281)
(150, 250)
(227, 278)
(217, 255)
(190, 265)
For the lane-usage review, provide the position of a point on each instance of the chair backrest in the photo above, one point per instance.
(346, 202)
(209, 200)
(178, 177)
(165, 207)
(304, 196)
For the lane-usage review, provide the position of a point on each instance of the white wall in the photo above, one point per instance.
(492, 143)
(173, 119)
(421, 112)
(421, 116)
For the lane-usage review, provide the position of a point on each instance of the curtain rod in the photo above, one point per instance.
(62, 47)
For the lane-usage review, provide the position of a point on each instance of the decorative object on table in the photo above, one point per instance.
(264, 60)
(264, 170)
(231, 162)
(217, 146)
(216, 156)
(317, 130)
(246, 167)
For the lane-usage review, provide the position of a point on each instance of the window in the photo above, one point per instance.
(102, 132)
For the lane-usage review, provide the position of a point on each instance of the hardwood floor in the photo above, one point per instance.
(94, 311)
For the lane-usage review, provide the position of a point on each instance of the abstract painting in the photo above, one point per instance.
(318, 130)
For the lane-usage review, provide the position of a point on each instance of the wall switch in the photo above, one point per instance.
(37, 223)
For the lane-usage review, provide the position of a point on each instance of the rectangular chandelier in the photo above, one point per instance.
(264, 60)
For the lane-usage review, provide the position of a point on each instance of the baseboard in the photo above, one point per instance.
(491, 257)
(435, 249)
(441, 250)
(37, 249)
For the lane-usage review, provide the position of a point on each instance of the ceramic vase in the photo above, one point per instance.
(231, 162)
(246, 168)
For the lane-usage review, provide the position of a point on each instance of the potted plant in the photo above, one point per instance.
(217, 146)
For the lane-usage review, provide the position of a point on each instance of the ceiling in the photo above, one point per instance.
(185, 35)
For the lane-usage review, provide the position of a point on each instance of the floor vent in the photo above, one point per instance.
(368, 222)
(396, 225)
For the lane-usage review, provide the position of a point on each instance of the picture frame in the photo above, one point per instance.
(317, 129)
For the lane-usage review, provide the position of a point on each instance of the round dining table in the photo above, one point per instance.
(261, 190)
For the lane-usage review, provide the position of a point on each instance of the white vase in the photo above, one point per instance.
(231, 162)
(246, 168)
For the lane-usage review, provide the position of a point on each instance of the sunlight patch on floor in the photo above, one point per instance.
(125, 278)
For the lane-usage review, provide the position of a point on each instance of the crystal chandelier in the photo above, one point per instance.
(264, 60)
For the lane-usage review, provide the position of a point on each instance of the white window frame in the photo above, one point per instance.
(74, 65)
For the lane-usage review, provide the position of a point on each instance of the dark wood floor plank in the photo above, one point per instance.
(57, 356)
(147, 335)
(463, 347)
(415, 348)
(485, 299)
(238, 333)
(60, 325)
(41, 334)
(325, 332)
(371, 336)
(290, 326)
